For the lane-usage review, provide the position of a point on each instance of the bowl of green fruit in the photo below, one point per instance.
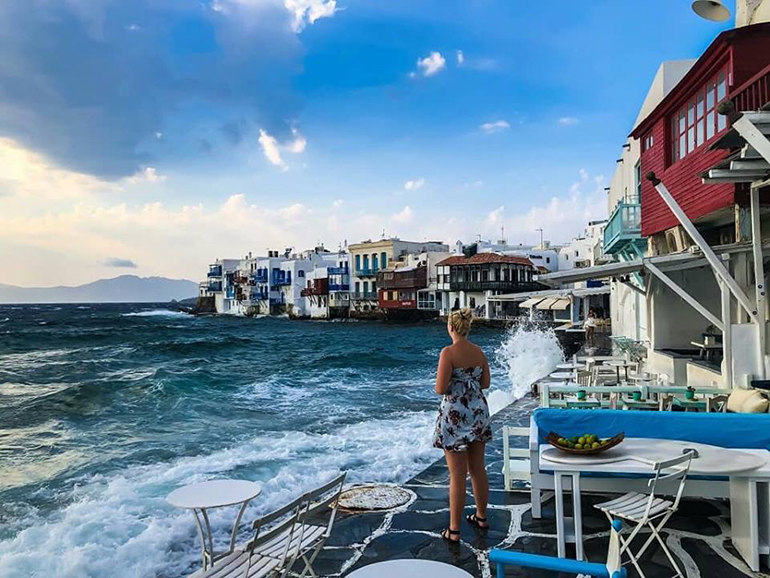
(585, 444)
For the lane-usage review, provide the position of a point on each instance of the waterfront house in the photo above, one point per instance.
(469, 280)
(407, 288)
(701, 274)
(217, 279)
(368, 258)
(326, 291)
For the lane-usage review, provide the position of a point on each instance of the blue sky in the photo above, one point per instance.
(167, 133)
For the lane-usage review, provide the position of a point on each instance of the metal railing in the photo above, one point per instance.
(370, 295)
(367, 271)
(215, 272)
(338, 271)
(215, 286)
(339, 287)
(625, 222)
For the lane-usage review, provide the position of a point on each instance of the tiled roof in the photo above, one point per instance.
(485, 258)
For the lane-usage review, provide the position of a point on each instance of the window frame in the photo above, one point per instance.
(696, 123)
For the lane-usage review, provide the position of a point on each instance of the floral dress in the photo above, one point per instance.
(464, 414)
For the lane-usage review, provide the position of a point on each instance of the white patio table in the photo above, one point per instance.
(410, 569)
(214, 494)
(617, 364)
(636, 456)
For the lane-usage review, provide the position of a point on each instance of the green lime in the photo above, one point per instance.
(570, 445)
(592, 439)
(582, 440)
(596, 445)
(561, 441)
(578, 446)
(574, 439)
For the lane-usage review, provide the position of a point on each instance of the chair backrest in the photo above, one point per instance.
(671, 471)
(509, 431)
(282, 521)
(321, 499)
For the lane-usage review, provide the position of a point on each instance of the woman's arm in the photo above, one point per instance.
(485, 377)
(444, 372)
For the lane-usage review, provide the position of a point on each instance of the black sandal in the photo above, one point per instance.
(450, 532)
(474, 520)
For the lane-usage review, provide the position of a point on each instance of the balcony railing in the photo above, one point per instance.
(754, 93)
(260, 276)
(215, 271)
(339, 287)
(215, 286)
(367, 271)
(338, 270)
(509, 286)
(625, 225)
(369, 295)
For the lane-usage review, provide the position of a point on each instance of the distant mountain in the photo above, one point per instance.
(123, 289)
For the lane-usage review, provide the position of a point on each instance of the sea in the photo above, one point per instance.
(105, 409)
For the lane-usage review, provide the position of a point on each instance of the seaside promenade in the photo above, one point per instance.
(698, 534)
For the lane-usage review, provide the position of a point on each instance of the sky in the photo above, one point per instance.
(151, 137)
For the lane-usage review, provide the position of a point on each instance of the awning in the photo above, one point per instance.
(560, 304)
(530, 298)
(545, 304)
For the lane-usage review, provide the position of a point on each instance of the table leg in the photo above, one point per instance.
(202, 535)
(577, 514)
(744, 520)
(561, 548)
(237, 523)
(210, 536)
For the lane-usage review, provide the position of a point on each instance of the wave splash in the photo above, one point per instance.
(529, 352)
(157, 313)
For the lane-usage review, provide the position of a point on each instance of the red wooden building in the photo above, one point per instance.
(398, 287)
(676, 137)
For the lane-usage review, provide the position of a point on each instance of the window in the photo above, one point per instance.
(698, 121)
(383, 259)
(374, 286)
(366, 261)
(358, 264)
(374, 262)
(473, 302)
(638, 182)
(300, 273)
(366, 286)
(647, 141)
(547, 259)
(358, 287)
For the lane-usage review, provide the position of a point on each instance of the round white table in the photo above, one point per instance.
(635, 456)
(562, 375)
(214, 494)
(570, 365)
(409, 569)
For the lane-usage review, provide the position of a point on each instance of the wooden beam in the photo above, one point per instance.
(708, 252)
(694, 303)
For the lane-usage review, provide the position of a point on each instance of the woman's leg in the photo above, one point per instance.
(458, 474)
(479, 479)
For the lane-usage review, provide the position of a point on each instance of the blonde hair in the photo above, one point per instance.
(460, 321)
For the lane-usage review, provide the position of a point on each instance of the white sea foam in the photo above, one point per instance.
(121, 526)
(157, 313)
(4, 319)
(528, 353)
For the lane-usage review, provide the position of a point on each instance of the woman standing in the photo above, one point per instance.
(463, 426)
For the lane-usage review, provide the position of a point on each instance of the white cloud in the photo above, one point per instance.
(158, 135)
(271, 148)
(148, 175)
(431, 64)
(583, 174)
(298, 144)
(338, 203)
(568, 121)
(414, 185)
(496, 126)
(496, 216)
(474, 184)
(404, 216)
(308, 11)
(460, 57)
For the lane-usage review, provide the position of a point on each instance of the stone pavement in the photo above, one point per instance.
(698, 534)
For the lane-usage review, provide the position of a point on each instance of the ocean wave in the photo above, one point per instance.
(121, 525)
(4, 319)
(157, 313)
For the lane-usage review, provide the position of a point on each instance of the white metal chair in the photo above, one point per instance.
(515, 460)
(650, 510)
(249, 561)
(319, 504)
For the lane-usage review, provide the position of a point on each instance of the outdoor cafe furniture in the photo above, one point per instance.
(204, 496)
(618, 364)
(410, 569)
(733, 462)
